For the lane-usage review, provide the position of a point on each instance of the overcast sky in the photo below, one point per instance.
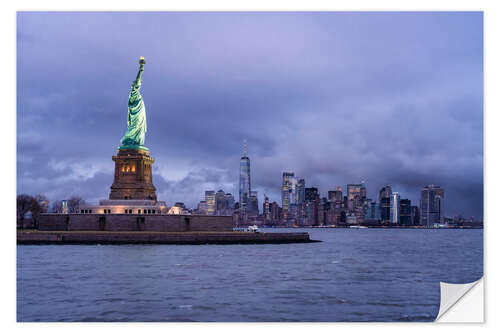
(337, 98)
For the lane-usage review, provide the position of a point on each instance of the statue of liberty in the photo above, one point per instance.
(136, 131)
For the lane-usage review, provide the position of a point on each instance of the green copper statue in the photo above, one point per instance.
(136, 131)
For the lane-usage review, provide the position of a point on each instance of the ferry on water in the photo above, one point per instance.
(358, 227)
(251, 228)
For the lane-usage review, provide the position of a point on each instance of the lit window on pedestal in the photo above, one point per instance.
(133, 167)
(127, 167)
(123, 167)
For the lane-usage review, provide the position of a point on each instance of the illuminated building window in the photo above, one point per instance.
(123, 167)
(127, 167)
(133, 167)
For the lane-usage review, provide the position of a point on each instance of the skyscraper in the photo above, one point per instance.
(415, 215)
(384, 198)
(356, 196)
(266, 209)
(245, 187)
(385, 192)
(335, 197)
(229, 204)
(301, 191)
(253, 204)
(286, 188)
(210, 199)
(405, 212)
(311, 205)
(431, 205)
(395, 208)
(219, 202)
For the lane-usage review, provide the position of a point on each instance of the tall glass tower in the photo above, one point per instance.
(244, 180)
(431, 205)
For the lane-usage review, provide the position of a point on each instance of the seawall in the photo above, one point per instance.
(146, 237)
(134, 222)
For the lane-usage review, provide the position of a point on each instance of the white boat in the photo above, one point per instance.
(358, 227)
(251, 228)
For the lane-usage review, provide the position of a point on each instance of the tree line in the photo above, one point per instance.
(39, 204)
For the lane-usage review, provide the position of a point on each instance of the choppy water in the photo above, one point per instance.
(353, 275)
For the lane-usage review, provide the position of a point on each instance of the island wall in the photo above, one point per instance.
(134, 222)
(149, 237)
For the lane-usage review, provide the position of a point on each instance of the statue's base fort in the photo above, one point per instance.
(133, 176)
(134, 222)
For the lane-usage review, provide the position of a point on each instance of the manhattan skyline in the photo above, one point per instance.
(337, 98)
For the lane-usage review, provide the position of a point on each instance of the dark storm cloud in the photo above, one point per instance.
(336, 97)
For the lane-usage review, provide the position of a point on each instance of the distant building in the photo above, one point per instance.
(356, 196)
(253, 205)
(245, 187)
(178, 209)
(202, 208)
(311, 193)
(301, 191)
(384, 199)
(287, 187)
(311, 206)
(405, 212)
(219, 202)
(266, 209)
(275, 212)
(395, 208)
(431, 205)
(415, 215)
(210, 199)
(385, 192)
(228, 204)
(65, 206)
(337, 204)
(224, 203)
(372, 212)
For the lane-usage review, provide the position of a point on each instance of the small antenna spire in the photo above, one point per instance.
(245, 148)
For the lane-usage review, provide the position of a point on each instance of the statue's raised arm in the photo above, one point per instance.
(142, 62)
(136, 120)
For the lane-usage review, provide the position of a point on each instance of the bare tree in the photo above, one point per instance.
(74, 204)
(57, 207)
(24, 202)
(39, 205)
(36, 209)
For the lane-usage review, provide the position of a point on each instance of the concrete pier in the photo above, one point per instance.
(148, 237)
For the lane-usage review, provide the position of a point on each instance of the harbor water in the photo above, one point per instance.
(352, 275)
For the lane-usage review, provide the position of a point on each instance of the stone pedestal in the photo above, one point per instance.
(133, 176)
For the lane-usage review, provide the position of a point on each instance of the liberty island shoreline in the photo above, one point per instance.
(37, 237)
